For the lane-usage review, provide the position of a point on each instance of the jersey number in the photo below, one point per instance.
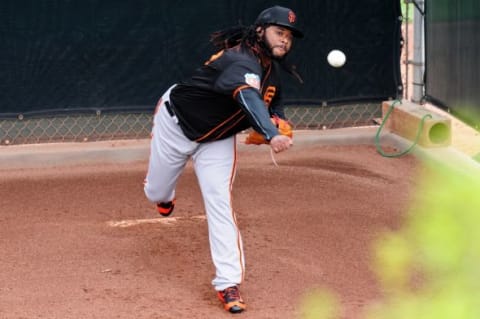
(269, 94)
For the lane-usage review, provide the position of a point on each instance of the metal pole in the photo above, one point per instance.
(406, 44)
(418, 53)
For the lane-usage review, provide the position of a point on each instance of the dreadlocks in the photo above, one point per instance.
(230, 37)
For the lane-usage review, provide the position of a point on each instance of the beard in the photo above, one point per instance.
(268, 49)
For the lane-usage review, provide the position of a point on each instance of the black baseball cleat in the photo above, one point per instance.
(166, 209)
(231, 300)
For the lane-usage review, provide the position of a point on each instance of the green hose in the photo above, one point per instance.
(377, 136)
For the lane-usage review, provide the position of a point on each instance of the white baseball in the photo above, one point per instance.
(336, 58)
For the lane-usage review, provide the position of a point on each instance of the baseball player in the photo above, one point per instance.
(198, 119)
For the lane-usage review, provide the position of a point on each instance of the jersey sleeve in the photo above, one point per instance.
(252, 104)
(238, 75)
(242, 80)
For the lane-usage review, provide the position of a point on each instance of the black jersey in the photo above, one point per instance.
(229, 93)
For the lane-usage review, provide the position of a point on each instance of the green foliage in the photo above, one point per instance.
(430, 268)
(320, 304)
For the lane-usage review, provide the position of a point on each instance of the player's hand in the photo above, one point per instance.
(283, 126)
(280, 143)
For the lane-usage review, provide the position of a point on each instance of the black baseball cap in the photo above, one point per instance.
(280, 16)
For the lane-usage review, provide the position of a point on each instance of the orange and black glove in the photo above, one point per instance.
(283, 126)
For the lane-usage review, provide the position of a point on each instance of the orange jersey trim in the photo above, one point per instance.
(216, 128)
(233, 124)
(237, 90)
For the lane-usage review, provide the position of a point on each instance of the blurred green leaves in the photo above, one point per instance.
(320, 304)
(430, 268)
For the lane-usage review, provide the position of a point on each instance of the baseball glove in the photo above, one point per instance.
(283, 126)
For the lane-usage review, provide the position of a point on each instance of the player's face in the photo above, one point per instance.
(279, 39)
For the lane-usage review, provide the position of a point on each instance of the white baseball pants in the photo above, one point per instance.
(215, 165)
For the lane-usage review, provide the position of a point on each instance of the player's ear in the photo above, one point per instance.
(260, 31)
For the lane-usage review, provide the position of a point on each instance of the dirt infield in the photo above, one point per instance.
(83, 242)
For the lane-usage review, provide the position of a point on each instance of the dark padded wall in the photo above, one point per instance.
(453, 57)
(111, 55)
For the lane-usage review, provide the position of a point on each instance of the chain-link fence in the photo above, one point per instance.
(113, 126)
(97, 125)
